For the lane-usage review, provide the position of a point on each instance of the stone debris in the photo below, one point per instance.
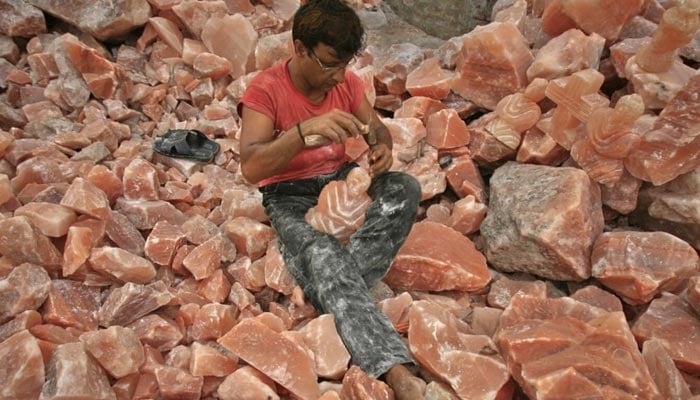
(555, 253)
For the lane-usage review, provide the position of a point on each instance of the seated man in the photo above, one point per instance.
(313, 95)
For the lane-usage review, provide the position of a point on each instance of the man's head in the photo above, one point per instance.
(329, 22)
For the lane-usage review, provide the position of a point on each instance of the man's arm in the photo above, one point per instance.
(264, 155)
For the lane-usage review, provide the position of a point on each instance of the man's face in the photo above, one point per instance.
(328, 69)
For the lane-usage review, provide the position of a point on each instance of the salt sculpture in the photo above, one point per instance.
(610, 139)
(576, 97)
(342, 205)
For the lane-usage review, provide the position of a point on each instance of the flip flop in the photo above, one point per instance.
(186, 143)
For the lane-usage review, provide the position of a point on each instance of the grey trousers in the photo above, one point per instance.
(337, 278)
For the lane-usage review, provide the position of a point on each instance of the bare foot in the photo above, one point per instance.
(405, 385)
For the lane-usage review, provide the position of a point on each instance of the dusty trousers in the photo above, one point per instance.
(337, 278)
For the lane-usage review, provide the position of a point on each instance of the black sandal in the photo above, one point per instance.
(186, 143)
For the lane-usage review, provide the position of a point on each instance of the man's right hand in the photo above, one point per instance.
(336, 126)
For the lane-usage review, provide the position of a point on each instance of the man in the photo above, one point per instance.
(314, 95)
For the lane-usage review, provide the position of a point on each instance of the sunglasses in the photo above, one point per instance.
(330, 68)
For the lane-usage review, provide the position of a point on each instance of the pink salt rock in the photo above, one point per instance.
(127, 303)
(407, 135)
(667, 377)
(208, 65)
(23, 242)
(598, 297)
(639, 265)
(243, 202)
(396, 309)
(273, 355)
(538, 148)
(693, 292)
(576, 97)
(140, 180)
(330, 355)
(168, 32)
(157, 331)
(358, 385)
(277, 275)
(117, 349)
(521, 199)
(21, 19)
(102, 20)
(205, 258)
(195, 15)
(445, 129)
(604, 170)
(484, 147)
(485, 320)
(567, 53)
(86, 198)
(672, 207)
(124, 234)
(179, 357)
(233, 38)
(435, 257)
(420, 107)
(446, 348)
(37, 170)
(622, 196)
(22, 370)
(72, 373)
(72, 304)
(96, 226)
(603, 18)
(673, 322)
(77, 249)
(273, 48)
(122, 265)
(393, 68)
(163, 241)
(25, 288)
(174, 383)
(503, 290)
(467, 215)
(493, 63)
(145, 214)
(429, 80)
(658, 88)
(103, 78)
(199, 229)
(426, 170)
(247, 383)
(464, 178)
(213, 321)
(107, 181)
(20, 322)
(215, 288)
(560, 347)
(342, 205)
(250, 237)
(672, 141)
(211, 360)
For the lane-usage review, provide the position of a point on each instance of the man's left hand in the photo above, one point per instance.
(380, 159)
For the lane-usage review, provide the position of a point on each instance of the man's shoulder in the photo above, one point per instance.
(271, 77)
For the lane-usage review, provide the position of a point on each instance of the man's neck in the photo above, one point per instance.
(298, 80)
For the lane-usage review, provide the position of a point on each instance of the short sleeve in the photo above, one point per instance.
(258, 98)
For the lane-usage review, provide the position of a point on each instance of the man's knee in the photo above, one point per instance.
(403, 185)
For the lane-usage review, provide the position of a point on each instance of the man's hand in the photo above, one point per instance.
(335, 126)
(380, 159)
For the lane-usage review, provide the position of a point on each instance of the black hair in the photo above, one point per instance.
(331, 22)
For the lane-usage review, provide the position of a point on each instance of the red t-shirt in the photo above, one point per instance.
(272, 93)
